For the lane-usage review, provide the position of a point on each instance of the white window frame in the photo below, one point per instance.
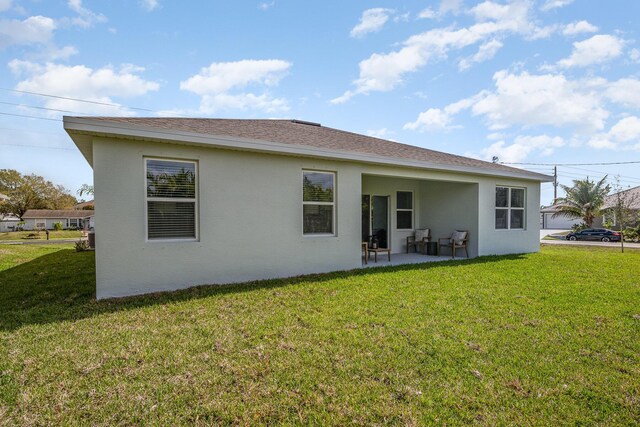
(333, 203)
(413, 204)
(509, 208)
(77, 225)
(171, 199)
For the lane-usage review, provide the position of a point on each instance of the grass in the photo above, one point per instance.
(53, 235)
(540, 339)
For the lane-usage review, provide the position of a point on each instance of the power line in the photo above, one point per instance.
(39, 108)
(571, 164)
(29, 117)
(39, 146)
(75, 99)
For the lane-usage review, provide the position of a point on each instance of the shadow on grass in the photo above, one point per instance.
(60, 286)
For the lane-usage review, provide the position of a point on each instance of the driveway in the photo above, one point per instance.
(544, 233)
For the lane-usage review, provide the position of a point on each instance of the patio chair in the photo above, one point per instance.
(419, 240)
(459, 240)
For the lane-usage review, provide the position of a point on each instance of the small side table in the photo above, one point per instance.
(376, 251)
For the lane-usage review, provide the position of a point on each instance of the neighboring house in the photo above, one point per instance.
(560, 222)
(44, 219)
(209, 201)
(3, 197)
(632, 197)
(8, 222)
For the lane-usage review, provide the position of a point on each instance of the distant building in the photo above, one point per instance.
(44, 219)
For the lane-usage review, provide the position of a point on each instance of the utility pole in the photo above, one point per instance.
(555, 184)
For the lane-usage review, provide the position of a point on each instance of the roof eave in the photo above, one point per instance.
(81, 131)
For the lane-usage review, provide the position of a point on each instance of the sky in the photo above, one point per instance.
(541, 82)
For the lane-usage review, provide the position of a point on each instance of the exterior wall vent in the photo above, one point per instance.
(302, 122)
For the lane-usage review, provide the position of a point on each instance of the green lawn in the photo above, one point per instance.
(542, 339)
(53, 235)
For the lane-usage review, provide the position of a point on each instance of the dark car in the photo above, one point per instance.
(601, 234)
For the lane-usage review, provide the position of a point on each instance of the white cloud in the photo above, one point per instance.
(485, 52)
(266, 5)
(86, 18)
(378, 133)
(634, 55)
(554, 4)
(372, 20)
(446, 6)
(532, 100)
(149, 5)
(579, 28)
(596, 50)
(5, 5)
(383, 72)
(625, 92)
(82, 82)
(33, 30)
(627, 130)
(54, 53)
(528, 100)
(521, 148)
(450, 6)
(434, 119)
(427, 13)
(222, 85)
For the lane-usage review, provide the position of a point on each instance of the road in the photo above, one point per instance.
(562, 241)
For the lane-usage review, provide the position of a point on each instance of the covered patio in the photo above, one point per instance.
(393, 208)
(404, 258)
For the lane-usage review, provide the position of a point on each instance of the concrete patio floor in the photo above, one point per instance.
(403, 258)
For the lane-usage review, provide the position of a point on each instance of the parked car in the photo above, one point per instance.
(601, 234)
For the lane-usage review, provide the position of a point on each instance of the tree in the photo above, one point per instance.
(31, 192)
(85, 189)
(624, 205)
(584, 200)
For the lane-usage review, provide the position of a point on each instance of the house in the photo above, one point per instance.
(8, 222)
(551, 222)
(183, 201)
(631, 198)
(44, 219)
(3, 197)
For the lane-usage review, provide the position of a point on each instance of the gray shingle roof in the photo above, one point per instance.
(56, 213)
(298, 133)
(630, 196)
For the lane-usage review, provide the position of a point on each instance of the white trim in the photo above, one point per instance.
(79, 126)
(334, 226)
(406, 210)
(509, 208)
(171, 199)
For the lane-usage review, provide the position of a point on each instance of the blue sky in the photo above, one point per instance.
(546, 81)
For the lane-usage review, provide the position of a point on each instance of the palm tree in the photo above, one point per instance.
(583, 200)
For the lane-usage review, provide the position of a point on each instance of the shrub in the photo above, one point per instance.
(82, 245)
(58, 226)
(579, 227)
(632, 234)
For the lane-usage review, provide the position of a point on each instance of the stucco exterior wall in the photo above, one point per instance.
(250, 220)
(250, 216)
(500, 242)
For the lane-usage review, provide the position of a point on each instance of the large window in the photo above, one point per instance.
(318, 202)
(404, 210)
(171, 199)
(510, 204)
